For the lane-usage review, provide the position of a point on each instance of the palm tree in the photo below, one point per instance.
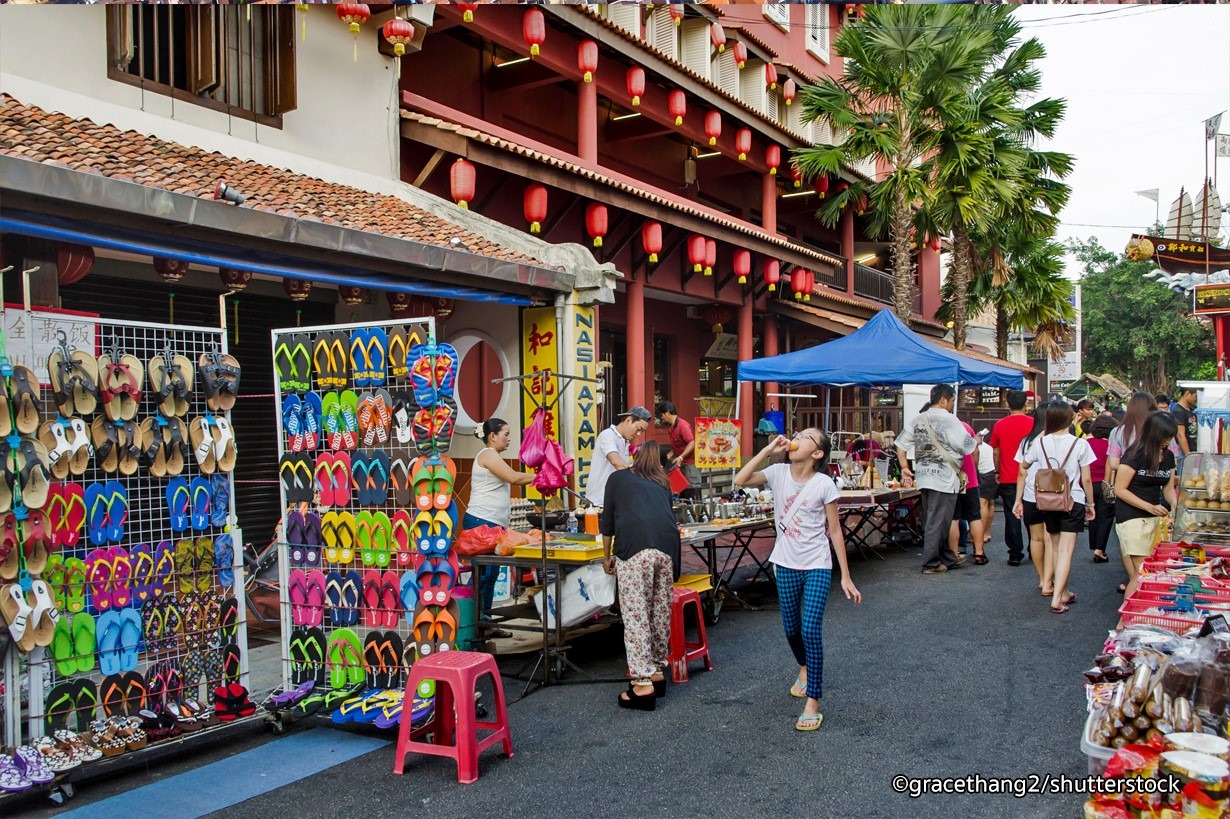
(905, 66)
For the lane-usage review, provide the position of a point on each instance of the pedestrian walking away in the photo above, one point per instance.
(1103, 488)
(808, 536)
(1006, 437)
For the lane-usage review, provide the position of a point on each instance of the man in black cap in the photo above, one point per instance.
(611, 451)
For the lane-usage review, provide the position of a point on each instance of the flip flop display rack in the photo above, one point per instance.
(368, 573)
(119, 559)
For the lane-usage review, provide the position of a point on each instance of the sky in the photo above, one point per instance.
(1140, 81)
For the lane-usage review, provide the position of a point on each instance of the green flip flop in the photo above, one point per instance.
(62, 648)
(59, 706)
(363, 524)
(301, 359)
(74, 584)
(344, 659)
(382, 538)
(284, 364)
(84, 639)
(55, 574)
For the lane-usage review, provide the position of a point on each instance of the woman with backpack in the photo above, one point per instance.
(1062, 484)
(1039, 542)
(1145, 491)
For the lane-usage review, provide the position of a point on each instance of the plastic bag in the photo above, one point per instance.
(510, 540)
(587, 591)
(556, 467)
(481, 540)
(534, 440)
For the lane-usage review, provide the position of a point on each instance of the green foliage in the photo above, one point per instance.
(1138, 329)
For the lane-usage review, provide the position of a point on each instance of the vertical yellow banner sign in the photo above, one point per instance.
(584, 406)
(539, 352)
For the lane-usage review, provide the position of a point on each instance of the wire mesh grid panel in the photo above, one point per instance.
(368, 575)
(122, 514)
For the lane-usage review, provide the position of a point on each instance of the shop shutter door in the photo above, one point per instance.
(625, 15)
(752, 88)
(696, 46)
(727, 72)
(662, 32)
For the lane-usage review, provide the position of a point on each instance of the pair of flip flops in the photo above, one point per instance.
(373, 706)
(381, 598)
(71, 703)
(121, 378)
(106, 511)
(306, 592)
(344, 659)
(66, 577)
(152, 568)
(118, 633)
(374, 538)
(220, 374)
(333, 478)
(369, 351)
(231, 702)
(330, 361)
(213, 443)
(433, 530)
(298, 483)
(339, 532)
(73, 375)
(283, 699)
(292, 361)
(344, 596)
(31, 614)
(162, 623)
(117, 445)
(73, 644)
(306, 649)
(194, 564)
(127, 693)
(171, 377)
(340, 420)
(108, 578)
(375, 411)
(433, 373)
(304, 538)
(382, 654)
(435, 628)
(435, 578)
(302, 421)
(370, 477)
(432, 427)
(24, 769)
(68, 445)
(431, 482)
(66, 512)
(401, 341)
(189, 504)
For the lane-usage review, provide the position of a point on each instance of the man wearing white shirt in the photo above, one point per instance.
(611, 451)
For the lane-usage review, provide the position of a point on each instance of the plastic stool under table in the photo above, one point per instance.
(456, 674)
(682, 651)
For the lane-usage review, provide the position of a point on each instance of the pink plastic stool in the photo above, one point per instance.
(682, 651)
(456, 674)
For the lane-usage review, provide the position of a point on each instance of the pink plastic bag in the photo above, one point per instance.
(555, 469)
(534, 440)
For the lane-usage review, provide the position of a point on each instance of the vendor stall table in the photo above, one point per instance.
(705, 543)
(860, 506)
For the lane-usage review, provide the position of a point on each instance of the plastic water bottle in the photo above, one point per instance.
(571, 525)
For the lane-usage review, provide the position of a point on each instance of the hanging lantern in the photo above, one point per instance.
(587, 59)
(772, 273)
(796, 175)
(351, 294)
(789, 89)
(467, 10)
(461, 183)
(770, 76)
(773, 157)
(718, 35)
(534, 30)
(713, 126)
(636, 84)
(798, 282)
(743, 142)
(677, 105)
(171, 270)
(696, 252)
(811, 286)
(710, 256)
(742, 264)
(236, 281)
(401, 303)
(740, 53)
(297, 289)
(595, 222)
(677, 12)
(821, 184)
(73, 262)
(716, 316)
(860, 204)
(840, 189)
(535, 206)
(935, 244)
(354, 15)
(651, 240)
(397, 32)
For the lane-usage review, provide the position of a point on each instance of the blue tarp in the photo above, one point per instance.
(882, 353)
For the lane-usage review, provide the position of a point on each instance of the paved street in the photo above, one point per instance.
(932, 676)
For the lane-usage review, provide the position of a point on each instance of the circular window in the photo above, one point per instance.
(481, 363)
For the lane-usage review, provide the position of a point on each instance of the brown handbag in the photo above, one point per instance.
(1052, 489)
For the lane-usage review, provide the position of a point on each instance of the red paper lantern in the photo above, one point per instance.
(860, 204)
(743, 142)
(716, 316)
(713, 126)
(535, 206)
(677, 12)
(718, 35)
(651, 240)
(935, 244)
(297, 289)
(534, 29)
(397, 32)
(810, 286)
(467, 11)
(798, 282)
(595, 222)
(773, 157)
(351, 294)
(796, 175)
(821, 184)
(742, 264)
(234, 280)
(73, 262)
(461, 183)
(696, 252)
(171, 270)
(636, 84)
(587, 59)
(772, 273)
(710, 256)
(354, 15)
(770, 75)
(789, 89)
(740, 52)
(677, 105)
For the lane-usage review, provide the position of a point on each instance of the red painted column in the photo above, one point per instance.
(847, 247)
(1221, 332)
(587, 122)
(929, 281)
(746, 408)
(768, 329)
(637, 372)
(768, 203)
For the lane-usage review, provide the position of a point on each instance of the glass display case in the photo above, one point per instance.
(1203, 515)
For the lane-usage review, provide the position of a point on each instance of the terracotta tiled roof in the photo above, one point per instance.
(618, 181)
(29, 132)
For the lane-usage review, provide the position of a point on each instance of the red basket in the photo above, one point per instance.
(1133, 614)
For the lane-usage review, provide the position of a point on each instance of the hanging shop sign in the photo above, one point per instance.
(583, 414)
(717, 442)
(539, 353)
(32, 336)
(1212, 299)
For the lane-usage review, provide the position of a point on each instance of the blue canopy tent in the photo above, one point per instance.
(882, 353)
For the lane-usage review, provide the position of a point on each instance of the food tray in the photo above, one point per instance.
(1098, 755)
(695, 582)
(560, 550)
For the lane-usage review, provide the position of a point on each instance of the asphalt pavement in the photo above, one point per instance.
(932, 676)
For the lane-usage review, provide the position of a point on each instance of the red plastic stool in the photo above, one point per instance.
(682, 651)
(456, 674)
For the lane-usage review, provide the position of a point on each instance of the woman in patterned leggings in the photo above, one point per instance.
(639, 519)
(805, 513)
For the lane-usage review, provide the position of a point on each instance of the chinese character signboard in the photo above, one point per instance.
(717, 442)
(29, 339)
(539, 353)
(583, 406)
(1212, 298)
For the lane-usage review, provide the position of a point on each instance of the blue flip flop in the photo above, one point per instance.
(224, 560)
(312, 420)
(333, 597)
(352, 596)
(178, 503)
(360, 468)
(108, 630)
(292, 420)
(377, 356)
(378, 466)
(117, 510)
(130, 637)
(97, 510)
(202, 494)
(358, 358)
(409, 593)
(220, 503)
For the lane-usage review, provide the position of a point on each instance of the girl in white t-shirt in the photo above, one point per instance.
(1059, 449)
(808, 535)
